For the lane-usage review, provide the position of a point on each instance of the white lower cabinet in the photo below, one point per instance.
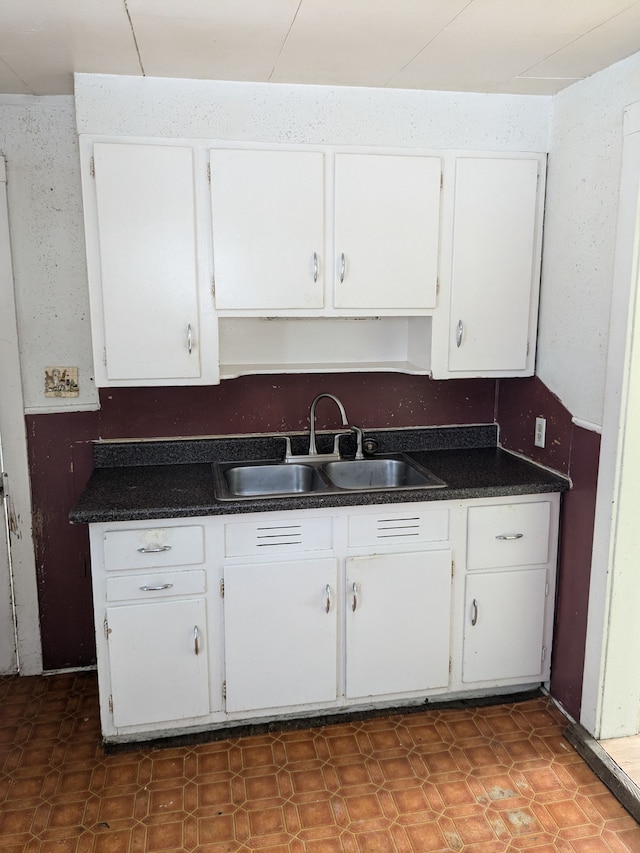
(281, 633)
(398, 622)
(245, 617)
(158, 661)
(504, 625)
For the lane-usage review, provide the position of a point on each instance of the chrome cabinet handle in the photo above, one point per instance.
(343, 267)
(157, 588)
(196, 640)
(354, 602)
(189, 339)
(508, 537)
(459, 331)
(474, 614)
(155, 550)
(315, 267)
(327, 598)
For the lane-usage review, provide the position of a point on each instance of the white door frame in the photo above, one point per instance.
(16, 468)
(611, 682)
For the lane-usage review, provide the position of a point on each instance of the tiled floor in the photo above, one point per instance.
(484, 780)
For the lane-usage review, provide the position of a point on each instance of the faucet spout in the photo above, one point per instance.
(313, 450)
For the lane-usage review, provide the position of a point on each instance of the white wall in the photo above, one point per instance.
(580, 227)
(38, 139)
(270, 112)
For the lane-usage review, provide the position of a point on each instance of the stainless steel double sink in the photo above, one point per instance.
(268, 479)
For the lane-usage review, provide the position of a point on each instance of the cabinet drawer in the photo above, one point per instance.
(508, 535)
(157, 585)
(391, 528)
(151, 547)
(277, 537)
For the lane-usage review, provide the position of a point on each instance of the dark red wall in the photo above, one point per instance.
(576, 452)
(61, 461)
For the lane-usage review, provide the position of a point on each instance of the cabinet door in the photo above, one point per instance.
(158, 661)
(148, 270)
(387, 217)
(495, 261)
(280, 634)
(398, 617)
(268, 229)
(504, 625)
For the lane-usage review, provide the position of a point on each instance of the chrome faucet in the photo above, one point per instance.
(313, 450)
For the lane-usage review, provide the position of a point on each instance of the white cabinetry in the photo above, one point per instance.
(398, 601)
(492, 268)
(239, 618)
(159, 662)
(398, 614)
(152, 322)
(280, 634)
(286, 237)
(510, 574)
(387, 225)
(268, 229)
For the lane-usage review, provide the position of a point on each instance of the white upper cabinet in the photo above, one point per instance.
(289, 239)
(146, 304)
(493, 269)
(387, 221)
(268, 229)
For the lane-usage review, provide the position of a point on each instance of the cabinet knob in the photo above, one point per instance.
(474, 612)
(157, 588)
(508, 537)
(343, 267)
(354, 602)
(189, 339)
(459, 332)
(316, 267)
(196, 640)
(155, 550)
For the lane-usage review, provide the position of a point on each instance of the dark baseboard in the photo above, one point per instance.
(605, 768)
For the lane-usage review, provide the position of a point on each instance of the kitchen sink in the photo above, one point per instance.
(269, 479)
(386, 473)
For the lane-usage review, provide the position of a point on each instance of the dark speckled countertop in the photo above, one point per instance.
(174, 479)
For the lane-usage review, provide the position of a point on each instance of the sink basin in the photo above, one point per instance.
(268, 479)
(363, 474)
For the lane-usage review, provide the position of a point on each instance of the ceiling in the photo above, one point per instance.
(509, 46)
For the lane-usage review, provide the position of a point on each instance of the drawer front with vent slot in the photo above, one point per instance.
(156, 585)
(153, 547)
(508, 535)
(268, 536)
(391, 528)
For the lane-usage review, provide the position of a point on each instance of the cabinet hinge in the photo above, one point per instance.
(209, 172)
(437, 287)
(224, 689)
(213, 286)
(528, 347)
(92, 167)
(104, 356)
(441, 180)
(544, 653)
(222, 588)
(453, 567)
(546, 589)
(106, 628)
(111, 704)
(450, 666)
